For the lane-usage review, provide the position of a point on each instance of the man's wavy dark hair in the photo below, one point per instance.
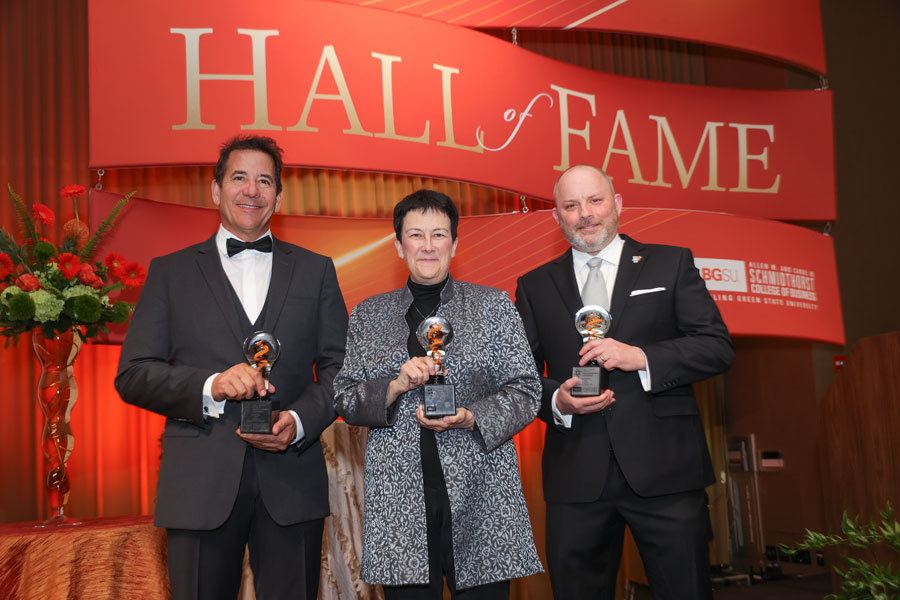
(251, 142)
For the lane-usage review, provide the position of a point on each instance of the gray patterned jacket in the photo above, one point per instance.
(490, 363)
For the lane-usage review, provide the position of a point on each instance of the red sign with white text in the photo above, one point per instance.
(343, 86)
(787, 30)
(785, 287)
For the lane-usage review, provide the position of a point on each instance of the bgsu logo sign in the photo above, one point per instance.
(722, 274)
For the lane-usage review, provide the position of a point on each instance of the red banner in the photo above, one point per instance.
(787, 30)
(347, 87)
(785, 286)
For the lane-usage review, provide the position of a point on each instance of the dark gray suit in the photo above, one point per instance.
(653, 440)
(189, 325)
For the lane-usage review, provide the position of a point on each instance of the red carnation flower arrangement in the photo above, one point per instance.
(61, 287)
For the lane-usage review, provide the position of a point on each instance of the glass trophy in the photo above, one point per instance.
(261, 350)
(592, 322)
(434, 333)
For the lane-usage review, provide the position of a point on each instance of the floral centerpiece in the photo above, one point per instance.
(60, 288)
(63, 296)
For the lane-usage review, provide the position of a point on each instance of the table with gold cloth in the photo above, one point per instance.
(126, 557)
(102, 558)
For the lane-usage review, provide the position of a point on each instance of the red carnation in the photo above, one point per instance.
(69, 265)
(6, 265)
(87, 276)
(28, 282)
(43, 213)
(73, 189)
(115, 263)
(132, 275)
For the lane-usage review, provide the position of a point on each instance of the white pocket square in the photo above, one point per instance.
(647, 291)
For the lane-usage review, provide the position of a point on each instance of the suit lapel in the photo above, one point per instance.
(630, 265)
(279, 283)
(211, 268)
(563, 276)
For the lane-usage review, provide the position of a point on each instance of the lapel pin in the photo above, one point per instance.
(636, 259)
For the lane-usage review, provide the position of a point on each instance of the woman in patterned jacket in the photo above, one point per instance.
(443, 496)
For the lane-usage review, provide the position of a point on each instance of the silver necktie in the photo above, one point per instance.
(594, 290)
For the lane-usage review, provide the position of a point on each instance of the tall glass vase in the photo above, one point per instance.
(56, 395)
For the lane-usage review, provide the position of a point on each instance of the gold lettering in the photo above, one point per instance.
(329, 56)
(565, 129)
(744, 158)
(629, 151)
(194, 77)
(387, 94)
(663, 131)
(449, 140)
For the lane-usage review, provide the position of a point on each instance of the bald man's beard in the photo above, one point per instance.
(608, 230)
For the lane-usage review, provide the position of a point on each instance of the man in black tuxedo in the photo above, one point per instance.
(219, 488)
(636, 454)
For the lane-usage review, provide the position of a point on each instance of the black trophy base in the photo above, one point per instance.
(256, 416)
(594, 379)
(440, 400)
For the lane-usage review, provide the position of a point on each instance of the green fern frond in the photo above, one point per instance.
(19, 254)
(104, 227)
(8, 245)
(23, 217)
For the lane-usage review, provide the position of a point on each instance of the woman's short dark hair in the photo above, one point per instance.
(426, 200)
(250, 142)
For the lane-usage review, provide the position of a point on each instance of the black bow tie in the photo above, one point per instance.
(263, 244)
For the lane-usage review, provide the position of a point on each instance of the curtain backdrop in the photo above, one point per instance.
(43, 103)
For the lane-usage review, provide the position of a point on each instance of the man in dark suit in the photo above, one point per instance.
(636, 454)
(219, 488)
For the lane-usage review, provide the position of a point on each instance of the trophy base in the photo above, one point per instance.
(440, 400)
(256, 416)
(593, 381)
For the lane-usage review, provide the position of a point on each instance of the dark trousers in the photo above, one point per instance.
(440, 559)
(584, 542)
(206, 565)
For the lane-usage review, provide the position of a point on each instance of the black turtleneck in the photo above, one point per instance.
(426, 300)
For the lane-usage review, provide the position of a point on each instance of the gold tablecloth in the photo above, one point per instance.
(107, 559)
(100, 559)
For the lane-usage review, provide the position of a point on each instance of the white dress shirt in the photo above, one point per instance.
(611, 255)
(249, 273)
